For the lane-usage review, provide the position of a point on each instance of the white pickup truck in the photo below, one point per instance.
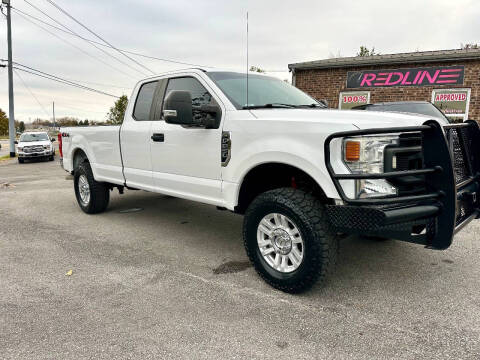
(301, 174)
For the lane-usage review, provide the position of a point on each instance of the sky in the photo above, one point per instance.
(208, 33)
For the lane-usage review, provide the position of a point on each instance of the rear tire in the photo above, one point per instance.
(92, 196)
(308, 253)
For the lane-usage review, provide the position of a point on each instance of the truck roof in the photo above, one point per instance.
(35, 132)
(204, 70)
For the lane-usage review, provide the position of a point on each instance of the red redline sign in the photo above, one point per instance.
(447, 75)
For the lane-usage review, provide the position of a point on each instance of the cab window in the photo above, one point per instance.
(200, 95)
(143, 104)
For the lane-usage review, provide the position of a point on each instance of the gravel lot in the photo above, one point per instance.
(172, 281)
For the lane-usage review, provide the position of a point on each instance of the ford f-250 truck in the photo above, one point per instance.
(301, 174)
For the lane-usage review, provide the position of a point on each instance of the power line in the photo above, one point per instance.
(73, 32)
(67, 83)
(102, 84)
(31, 92)
(99, 37)
(74, 46)
(62, 79)
(59, 79)
(62, 106)
(101, 44)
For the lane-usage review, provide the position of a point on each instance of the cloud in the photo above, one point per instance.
(214, 33)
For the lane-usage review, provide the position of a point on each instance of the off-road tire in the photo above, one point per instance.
(99, 192)
(321, 244)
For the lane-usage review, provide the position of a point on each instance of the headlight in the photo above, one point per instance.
(365, 155)
(20, 148)
(46, 147)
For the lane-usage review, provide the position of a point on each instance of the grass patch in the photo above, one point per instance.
(6, 157)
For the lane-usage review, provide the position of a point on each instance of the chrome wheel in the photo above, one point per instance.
(84, 190)
(280, 243)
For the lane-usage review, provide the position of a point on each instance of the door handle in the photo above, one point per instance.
(158, 137)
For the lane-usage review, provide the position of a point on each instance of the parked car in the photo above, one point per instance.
(35, 145)
(415, 107)
(299, 173)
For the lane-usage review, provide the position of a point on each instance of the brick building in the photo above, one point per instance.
(448, 78)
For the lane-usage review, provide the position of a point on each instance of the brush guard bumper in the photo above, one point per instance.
(451, 179)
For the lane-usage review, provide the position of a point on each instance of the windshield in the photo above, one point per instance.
(416, 108)
(262, 90)
(33, 137)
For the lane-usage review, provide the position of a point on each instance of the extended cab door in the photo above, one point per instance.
(135, 138)
(186, 161)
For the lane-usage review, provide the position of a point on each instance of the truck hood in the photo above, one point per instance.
(358, 118)
(34, 143)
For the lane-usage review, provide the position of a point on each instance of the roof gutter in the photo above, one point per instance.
(371, 62)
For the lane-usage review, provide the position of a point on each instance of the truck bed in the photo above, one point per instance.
(103, 150)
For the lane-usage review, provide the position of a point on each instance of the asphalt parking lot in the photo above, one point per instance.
(172, 281)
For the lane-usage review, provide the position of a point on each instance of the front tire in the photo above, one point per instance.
(92, 196)
(21, 161)
(51, 158)
(288, 240)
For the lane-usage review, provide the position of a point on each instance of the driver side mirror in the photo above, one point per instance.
(52, 139)
(16, 142)
(178, 108)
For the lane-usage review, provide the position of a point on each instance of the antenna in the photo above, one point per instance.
(247, 60)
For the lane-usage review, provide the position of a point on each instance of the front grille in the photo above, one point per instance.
(33, 149)
(411, 158)
(460, 143)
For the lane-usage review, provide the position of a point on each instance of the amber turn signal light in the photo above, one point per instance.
(352, 150)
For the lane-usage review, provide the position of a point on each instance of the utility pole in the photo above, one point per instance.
(54, 126)
(11, 112)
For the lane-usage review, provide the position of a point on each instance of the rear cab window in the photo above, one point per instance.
(143, 103)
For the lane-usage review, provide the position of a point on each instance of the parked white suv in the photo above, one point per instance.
(301, 174)
(34, 145)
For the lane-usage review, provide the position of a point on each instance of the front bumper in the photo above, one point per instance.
(38, 154)
(430, 218)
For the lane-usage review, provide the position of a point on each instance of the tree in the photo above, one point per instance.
(85, 123)
(365, 52)
(67, 122)
(256, 69)
(3, 123)
(20, 127)
(468, 46)
(117, 111)
(39, 123)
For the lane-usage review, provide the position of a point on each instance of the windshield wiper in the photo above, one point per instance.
(315, 105)
(270, 106)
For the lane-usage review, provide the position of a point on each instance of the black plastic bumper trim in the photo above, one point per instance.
(411, 213)
(396, 200)
(389, 175)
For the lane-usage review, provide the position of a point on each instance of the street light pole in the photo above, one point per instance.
(11, 112)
